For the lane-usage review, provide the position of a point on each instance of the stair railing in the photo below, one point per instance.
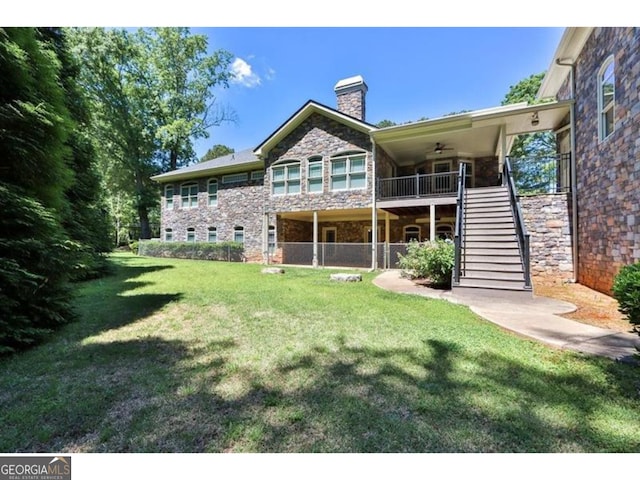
(458, 238)
(521, 229)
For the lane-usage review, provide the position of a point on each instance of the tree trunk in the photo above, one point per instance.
(145, 228)
(173, 159)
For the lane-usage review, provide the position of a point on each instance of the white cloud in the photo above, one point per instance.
(271, 74)
(243, 74)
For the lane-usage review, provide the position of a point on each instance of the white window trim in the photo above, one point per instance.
(209, 183)
(413, 227)
(238, 229)
(257, 175)
(189, 184)
(272, 246)
(601, 107)
(190, 230)
(168, 200)
(348, 173)
(285, 164)
(470, 176)
(329, 229)
(235, 177)
(315, 159)
(209, 230)
(168, 231)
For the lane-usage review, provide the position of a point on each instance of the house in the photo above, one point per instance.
(328, 188)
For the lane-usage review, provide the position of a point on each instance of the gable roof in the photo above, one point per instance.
(570, 46)
(243, 160)
(301, 115)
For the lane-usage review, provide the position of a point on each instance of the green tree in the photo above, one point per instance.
(35, 126)
(216, 151)
(532, 154)
(385, 123)
(152, 95)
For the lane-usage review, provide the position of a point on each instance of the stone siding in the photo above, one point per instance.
(352, 103)
(548, 221)
(320, 136)
(239, 205)
(608, 171)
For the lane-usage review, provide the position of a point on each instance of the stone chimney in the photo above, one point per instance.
(350, 94)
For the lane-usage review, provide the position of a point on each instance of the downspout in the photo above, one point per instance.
(374, 212)
(574, 174)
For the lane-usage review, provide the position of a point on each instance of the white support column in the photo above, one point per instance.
(432, 222)
(314, 262)
(265, 238)
(374, 238)
(387, 236)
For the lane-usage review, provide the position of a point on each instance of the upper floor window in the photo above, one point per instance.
(168, 196)
(348, 172)
(606, 98)
(238, 234)
(314, 175)
(235, 178)
(285, 178)
(191, 234)
(213, 192)
(257, 175)
(189, 195)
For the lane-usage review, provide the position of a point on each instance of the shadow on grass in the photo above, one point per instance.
(152, 395)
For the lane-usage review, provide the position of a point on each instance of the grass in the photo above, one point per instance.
(195, 356)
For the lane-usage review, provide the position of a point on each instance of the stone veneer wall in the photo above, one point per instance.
(238, 205)
(548, 221)
(352, 102)
(319, 135)
(608, 172)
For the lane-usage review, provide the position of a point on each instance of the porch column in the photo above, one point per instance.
(387, 236)
(314, 262)
(374, 238)
(265, 238)
(432, 222)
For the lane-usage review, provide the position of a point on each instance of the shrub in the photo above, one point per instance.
(223, 251)
(430, 260)
(134, 246)
(626, 289)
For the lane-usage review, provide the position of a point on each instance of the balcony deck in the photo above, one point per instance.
(419, 189)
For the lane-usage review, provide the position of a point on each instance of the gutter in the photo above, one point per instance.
(574, 175)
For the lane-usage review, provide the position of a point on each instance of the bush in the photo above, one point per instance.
(430, 260)
(223, 251)
(626, 289)
(134, 246)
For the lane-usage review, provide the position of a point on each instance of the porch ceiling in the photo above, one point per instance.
(472, 134)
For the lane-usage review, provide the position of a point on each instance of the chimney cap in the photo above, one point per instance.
(350, 83)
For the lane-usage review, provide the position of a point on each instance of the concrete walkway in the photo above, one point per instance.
(535, 317)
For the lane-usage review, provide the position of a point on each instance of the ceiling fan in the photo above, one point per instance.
(440, 147)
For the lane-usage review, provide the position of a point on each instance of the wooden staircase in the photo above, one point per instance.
(490, 258)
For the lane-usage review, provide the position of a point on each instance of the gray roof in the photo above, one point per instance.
(244, 159)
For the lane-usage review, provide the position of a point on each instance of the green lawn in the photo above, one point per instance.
(189, 356)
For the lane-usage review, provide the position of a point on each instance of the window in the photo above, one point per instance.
(213, 192)
(272, 239)
(348, 172)
(235, 178)
(468, 178)
(168, 235)
(314, 175)
(238, 234)
(257, 175)
(606, 98)
(213, 235)
(168, 196)
(411, 232)
(285, 178)
(189, 195)
(191, 234)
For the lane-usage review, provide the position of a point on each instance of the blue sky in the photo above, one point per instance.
(411, 72)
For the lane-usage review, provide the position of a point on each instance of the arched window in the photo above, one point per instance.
(411, 232)
(212, 235)
(606, 98)
(314, 174)
(212, 188)
(168, 235)
(348, 171)
(285, 178)
(189, 195)
(168, 196)
(191, 234)
(238, 234)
